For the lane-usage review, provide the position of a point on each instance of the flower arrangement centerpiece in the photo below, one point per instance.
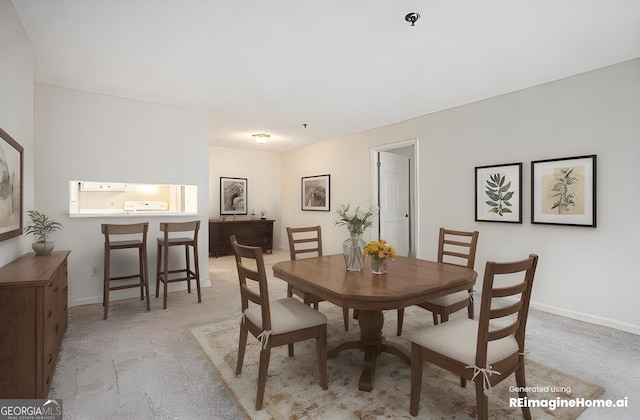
(379, 252)
(356, 220)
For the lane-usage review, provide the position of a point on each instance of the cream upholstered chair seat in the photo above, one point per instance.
(287, 314)
(457, 340)
(451, 299)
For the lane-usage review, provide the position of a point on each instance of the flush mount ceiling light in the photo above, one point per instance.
(261, 138)
(412, 17)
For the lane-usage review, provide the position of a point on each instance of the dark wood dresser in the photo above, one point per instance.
(256, 232)
(33, 319)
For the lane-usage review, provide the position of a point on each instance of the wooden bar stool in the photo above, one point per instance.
(134, 236)
(166, 275)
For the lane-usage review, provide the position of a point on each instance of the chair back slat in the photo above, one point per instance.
(127, 234)
(519, 289)
(250, 265)
(172, 227)
(460, 246)
(503, 332)
(505, 311)
(305, 240)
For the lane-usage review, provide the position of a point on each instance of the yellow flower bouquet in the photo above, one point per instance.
(379, 252)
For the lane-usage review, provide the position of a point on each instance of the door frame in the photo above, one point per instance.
(414, 181)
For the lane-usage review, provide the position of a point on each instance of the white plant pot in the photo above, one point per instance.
(43, 248)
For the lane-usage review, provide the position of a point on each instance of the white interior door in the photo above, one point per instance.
(393, 175)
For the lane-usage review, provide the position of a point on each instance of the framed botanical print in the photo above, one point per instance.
(563, 191)
(11, 172)
(316, 193)
(233, 195)
(499, 193)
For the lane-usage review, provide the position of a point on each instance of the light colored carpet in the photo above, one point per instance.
(292, 390)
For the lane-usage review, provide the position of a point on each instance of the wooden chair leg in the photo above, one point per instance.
(106, 286)
(265, 354)
(188, 267)
(345, 318)
(145, 267)
(470, 309)
(290, 347)
(197, 272)
(444, 316)
(158, 260)
(482, 403)
(165, 276)
(416, 381)
(522, 384)
(321, 347)
(400, 321)
(242, 345)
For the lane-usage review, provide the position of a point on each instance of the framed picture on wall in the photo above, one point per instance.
(11, 168)
(316, 193)
(563, 191)
(233, 195)
(499, 193)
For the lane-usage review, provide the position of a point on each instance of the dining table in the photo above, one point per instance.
(408, 281)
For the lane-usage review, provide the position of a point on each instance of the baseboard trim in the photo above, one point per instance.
(593, 319)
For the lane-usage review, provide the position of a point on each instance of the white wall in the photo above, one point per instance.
(86, 136)
(262, 170)
(16, 110)
(584, 273)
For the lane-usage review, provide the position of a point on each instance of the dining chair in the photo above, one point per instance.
(307, 242)
(274, 323)
(129, 236)
(180, 234)
(454, 247)
(474, 350)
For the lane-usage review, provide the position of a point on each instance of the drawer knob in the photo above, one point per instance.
(49, 313)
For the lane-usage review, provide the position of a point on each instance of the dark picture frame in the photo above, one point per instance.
(563, 191)
(233, 195)
(11, 186)
(316, 192)
(499, 193)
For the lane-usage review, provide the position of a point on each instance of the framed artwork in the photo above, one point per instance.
(499, 193)
(316, 193)
(233, 195)
(11, 168)
(563, 191)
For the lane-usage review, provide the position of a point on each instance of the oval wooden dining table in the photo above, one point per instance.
(407, 281)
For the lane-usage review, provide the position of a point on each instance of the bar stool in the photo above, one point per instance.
(163, 273)
(134, 237)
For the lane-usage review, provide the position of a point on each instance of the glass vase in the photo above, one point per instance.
(378, 265)
(353, 251)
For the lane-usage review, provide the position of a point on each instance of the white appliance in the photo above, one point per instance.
(145, 206)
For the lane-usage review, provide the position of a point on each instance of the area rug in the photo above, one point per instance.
(293, 392)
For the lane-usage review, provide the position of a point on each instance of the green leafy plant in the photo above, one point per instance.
(499, 194)
(357, 221)
(565, 198)
(41, 226)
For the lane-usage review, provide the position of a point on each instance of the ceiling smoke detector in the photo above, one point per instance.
(412, 17)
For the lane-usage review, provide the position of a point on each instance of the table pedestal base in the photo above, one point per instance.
(372, 343)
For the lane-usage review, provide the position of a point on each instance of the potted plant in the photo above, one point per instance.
(41, 227)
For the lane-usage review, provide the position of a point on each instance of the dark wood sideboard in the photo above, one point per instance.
(33, 320)
(256, 232)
